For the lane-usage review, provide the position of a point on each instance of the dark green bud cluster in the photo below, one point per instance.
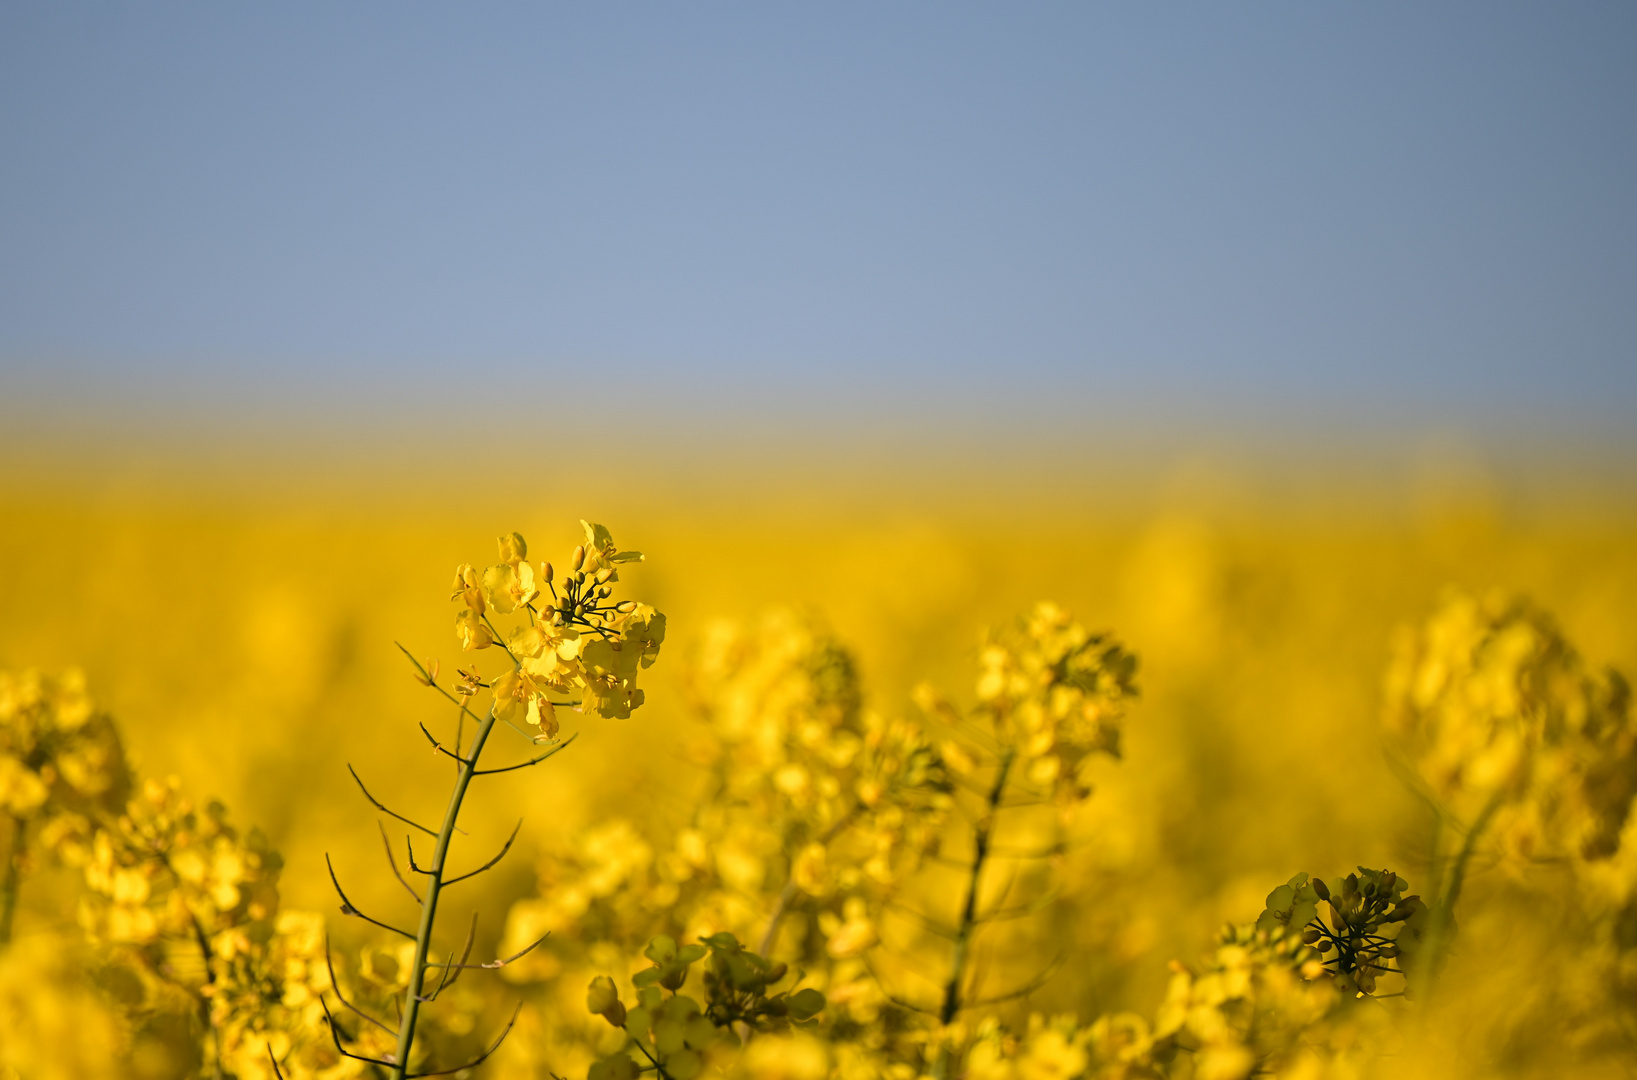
(1371, 927)
(737, 983)
(670, 1033)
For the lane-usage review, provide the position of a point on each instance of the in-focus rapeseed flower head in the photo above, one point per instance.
(575, 639)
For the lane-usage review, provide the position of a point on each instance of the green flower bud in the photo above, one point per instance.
(602, 999)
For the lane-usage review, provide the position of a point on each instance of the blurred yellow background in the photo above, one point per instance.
(244, 639)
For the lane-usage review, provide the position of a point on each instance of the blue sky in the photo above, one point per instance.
(1269, 211)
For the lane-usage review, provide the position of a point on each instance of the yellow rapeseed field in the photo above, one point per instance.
(912, 782)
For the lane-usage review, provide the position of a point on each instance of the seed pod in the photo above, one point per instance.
(578, 559)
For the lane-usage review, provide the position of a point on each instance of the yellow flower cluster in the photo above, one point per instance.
(1507, 727)
(61, 767)
(193, 969)
(1054, 693)
(1253, 1008)
(812, 812)
(168, 869)
(575, 639)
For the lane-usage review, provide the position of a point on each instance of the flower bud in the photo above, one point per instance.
(604, 592)
(1321, 888)
(627, 608)
(578, 559)
(546, 572)
(601, 999)
(604, 574)
(1310, 936)
(600, 995)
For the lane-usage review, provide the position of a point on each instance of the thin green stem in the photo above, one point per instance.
(1443, 913)
(788, 893)
(983, 830)
(13, 880)
(429, 905)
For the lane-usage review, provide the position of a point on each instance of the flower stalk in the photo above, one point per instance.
(413, 996)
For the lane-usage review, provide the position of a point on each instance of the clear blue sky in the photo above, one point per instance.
(1405, 209)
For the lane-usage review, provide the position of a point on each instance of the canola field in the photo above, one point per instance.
(1188, 785)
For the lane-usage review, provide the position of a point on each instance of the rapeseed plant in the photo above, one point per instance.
(821, 888)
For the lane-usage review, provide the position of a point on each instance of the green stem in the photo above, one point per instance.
(983, 831)
(429, 904)
(1443, 915)
(13, 880)
(788, 893)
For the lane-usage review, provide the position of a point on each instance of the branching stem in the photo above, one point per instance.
(429, 904)
(983, 829)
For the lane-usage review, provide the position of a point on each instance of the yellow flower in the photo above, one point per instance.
(472, 632)
(467, 588)
(509, 586)
(513, 548)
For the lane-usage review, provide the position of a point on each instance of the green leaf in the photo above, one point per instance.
(806, 1004)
